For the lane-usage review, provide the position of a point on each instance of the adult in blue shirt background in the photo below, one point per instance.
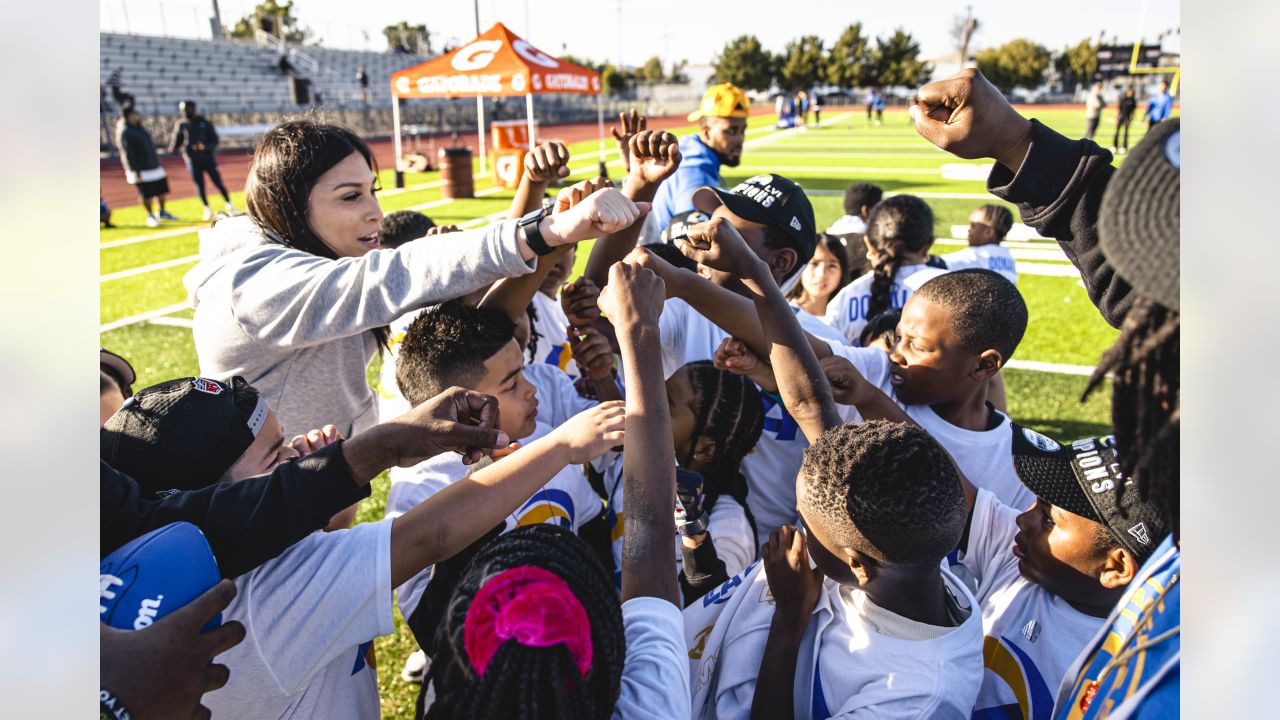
(722, 127)
(1160, 106)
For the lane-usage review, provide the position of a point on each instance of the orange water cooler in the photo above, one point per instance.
(510, 141)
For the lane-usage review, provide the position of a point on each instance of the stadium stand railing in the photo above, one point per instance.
(239, 84)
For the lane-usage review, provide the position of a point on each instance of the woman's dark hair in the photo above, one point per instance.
(728, 409)
(838, 247)
(1145, 401)
(531, 682)
(896, 227)
(287, 162)
(1000, 218)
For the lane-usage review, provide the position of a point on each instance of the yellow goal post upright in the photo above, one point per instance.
(1137, 48)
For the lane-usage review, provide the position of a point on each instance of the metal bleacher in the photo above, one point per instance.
(235, 77)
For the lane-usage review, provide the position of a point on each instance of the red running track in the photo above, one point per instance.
(234, 164)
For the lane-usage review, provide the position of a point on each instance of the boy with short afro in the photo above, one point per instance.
(878, 627)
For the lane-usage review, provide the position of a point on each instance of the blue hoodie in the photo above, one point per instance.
(699, 165)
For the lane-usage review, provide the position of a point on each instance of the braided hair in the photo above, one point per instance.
(728, 409)
(896, 227)
(1145, 401)
(531, 346)
(1000, 218)
(531, 682)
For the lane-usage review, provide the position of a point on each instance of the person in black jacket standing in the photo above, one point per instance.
(142, 164)
(196, 137)
(1128, 103)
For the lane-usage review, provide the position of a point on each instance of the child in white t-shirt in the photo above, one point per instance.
(987, 227)
(878, 627)
(899, 235)
(953, 337)
(311, 613)
(776, 214)
(534, 629)
(451, 344)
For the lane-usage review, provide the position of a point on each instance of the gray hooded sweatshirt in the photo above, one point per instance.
(297, 326)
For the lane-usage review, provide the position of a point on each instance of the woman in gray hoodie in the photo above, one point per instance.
(296, 295)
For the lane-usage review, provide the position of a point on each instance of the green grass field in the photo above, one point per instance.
(1064, 327)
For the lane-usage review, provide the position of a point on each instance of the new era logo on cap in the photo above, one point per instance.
(1139, 532)
(206, 386)
(795, 223)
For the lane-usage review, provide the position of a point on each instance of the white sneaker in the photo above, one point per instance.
(415, 667)
(229, 209)
(208, 213)
(152, 221)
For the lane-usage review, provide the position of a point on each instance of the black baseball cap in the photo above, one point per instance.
(183, 434)
(679, 225)
(1139, 223)
(768, 200)
(1084, 478)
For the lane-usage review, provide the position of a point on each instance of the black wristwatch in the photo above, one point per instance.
(529, 223)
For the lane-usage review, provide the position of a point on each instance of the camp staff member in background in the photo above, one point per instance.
(197, 139)
(722, 127)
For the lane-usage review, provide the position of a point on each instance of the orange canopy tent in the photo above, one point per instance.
(496, 63)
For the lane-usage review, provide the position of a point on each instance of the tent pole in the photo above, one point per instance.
(604, 171)
(480, 131)
(528, 112)
(395, 123)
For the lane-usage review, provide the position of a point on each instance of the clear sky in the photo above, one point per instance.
(674, 29)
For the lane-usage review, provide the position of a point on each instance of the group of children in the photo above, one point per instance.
(859, 528)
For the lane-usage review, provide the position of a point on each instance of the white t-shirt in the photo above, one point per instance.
(549, 341)
(688, 336)
(727, 526)
(868, 662)
(847, 311)
(655, 671)
(1032, 635)
(391, 403)
(566, 500)
(984, 257)
(309, 617)
(848, 224)
(984, 456)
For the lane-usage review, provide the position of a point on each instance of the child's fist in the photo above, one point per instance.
(578, 300)
(717, 244)
(634, 295)
(548, 161)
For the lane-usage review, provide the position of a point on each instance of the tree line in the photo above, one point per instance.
(854, 60)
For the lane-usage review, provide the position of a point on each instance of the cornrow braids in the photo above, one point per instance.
(1145, 401)
(896, 227)
(524, 682)
(532, 345)
(1000, 218)
(730, 411)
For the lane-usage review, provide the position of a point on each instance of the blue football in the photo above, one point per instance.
(154, 575)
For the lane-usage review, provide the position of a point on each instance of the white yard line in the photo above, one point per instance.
(148, 268)
(1051, 269)
(1059, 368)
(929, 195)
(838, 170)
(145, 238)
(142, 317)
(173, 322)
